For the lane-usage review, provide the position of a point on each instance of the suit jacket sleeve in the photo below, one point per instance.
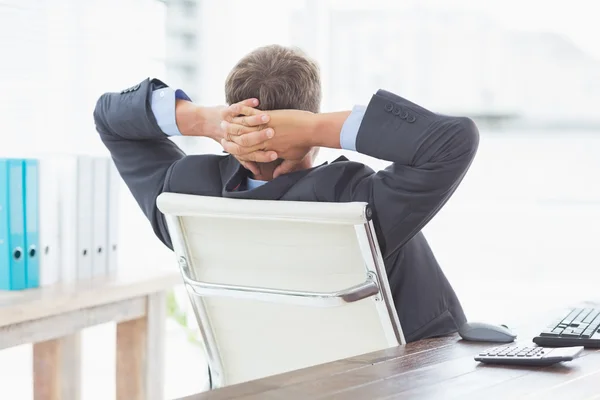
(143, 154)
(430, 154)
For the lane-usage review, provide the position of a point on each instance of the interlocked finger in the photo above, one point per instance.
(253, 120)
(239, 109)
(232, 130)
(254, 138)
(255, 153)
(242, 108)
(235, 149)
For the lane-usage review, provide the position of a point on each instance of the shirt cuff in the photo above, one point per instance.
(163, 108)
(350, 128)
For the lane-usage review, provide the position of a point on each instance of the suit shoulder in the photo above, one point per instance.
(344, 165)
(200, 174)
(333, 182)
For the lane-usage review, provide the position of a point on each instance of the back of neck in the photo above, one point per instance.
(266, 171)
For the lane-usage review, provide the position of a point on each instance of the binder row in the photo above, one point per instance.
(58, 220)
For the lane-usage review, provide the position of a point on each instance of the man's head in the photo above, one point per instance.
(279, 77)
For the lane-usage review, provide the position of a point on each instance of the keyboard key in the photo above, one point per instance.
(581, 316)
(572, 315)
(588, 332)
(555, 323)
(591, 316)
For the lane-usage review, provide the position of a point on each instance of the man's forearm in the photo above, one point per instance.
(327, 128)
(194, 120)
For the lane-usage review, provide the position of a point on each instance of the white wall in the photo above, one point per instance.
(59, 55)
(56, 58)
(23, 61)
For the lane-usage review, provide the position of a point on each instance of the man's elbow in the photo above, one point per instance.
(468, 134)
(100, 114)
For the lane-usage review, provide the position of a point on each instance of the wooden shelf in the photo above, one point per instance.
(52, 317)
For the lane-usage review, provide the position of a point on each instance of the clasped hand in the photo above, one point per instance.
(254, 136)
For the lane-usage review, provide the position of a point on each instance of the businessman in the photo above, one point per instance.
(272, 130)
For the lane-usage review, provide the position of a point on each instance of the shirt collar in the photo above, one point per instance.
(254, 183)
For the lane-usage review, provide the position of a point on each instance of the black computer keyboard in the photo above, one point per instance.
(578, 327)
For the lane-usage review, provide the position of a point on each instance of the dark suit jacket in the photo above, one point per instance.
(430, 154)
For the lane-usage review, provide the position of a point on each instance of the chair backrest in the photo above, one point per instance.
(280, 285)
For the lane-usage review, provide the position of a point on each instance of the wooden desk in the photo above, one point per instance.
(52, 317)
(441, 368)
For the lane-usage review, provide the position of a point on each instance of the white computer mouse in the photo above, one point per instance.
(482, 332)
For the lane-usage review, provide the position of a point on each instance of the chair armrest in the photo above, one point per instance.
(352, 294)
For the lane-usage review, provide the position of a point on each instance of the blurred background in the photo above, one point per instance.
(527, 71)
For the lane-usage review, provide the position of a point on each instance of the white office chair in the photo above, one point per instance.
(279, 285)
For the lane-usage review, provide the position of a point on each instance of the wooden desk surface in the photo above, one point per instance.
(441, 368)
